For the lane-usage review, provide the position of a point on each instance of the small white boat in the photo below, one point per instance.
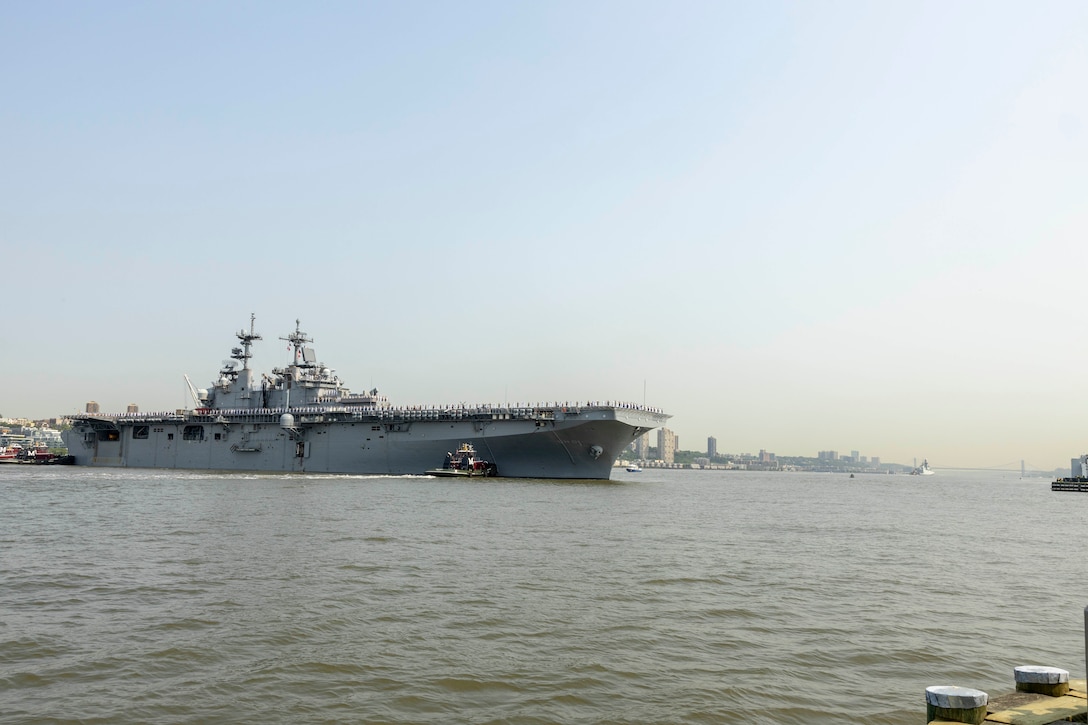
(634, 468)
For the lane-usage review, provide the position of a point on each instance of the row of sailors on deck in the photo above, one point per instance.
(462, 407)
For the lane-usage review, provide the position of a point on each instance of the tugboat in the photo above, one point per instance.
(463, 462)
(38, 454)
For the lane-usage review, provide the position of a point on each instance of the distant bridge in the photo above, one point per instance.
(1024, 467)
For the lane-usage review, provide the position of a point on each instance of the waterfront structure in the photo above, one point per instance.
(1042, 695)
(302, 418)
(30, 436)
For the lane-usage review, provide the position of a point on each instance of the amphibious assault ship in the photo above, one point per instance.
(301, 418)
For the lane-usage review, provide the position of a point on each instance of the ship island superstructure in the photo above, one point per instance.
(302, 418)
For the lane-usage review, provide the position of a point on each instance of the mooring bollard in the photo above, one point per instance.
(1042, 680)
(958, 704)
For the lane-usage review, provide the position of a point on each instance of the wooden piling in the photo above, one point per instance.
(955, 704)
(1042, 680)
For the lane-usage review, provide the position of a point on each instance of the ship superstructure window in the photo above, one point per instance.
(140, 431)
(193, 433)
(109, 435)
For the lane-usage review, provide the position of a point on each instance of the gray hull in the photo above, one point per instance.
(553, 442)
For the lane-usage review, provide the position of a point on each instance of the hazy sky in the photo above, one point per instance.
(794, 226)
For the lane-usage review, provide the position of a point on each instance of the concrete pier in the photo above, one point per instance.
(1070, 484)
(1016, 708)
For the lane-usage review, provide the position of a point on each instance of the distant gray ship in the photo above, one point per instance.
(301, 418)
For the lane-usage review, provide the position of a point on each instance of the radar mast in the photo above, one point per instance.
(298, 338)
(243, 353)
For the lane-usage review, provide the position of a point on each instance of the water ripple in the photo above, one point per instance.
(685, 597)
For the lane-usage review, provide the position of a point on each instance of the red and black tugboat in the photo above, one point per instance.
(463, 462)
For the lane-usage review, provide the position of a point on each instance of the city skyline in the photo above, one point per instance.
(786, 225)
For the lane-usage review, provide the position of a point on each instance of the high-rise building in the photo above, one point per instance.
(92, 407)
(711, 447)
(666, 445)
(642, 446)
(133, 408)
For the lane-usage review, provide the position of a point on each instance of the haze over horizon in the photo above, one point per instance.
(793, 226)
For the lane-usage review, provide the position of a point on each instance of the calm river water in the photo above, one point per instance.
(660, 597)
